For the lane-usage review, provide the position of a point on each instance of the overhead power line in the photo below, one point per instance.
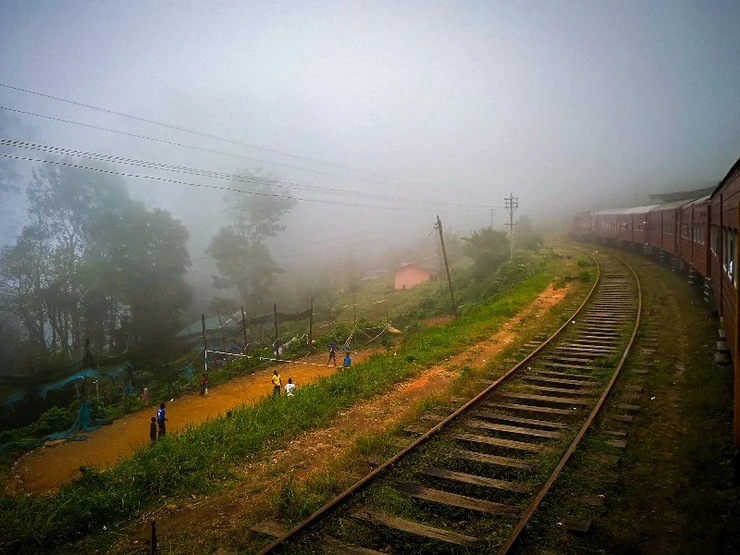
(188, 130)
(205, 186)
(196, 148)
(182, 145)
(241, 178)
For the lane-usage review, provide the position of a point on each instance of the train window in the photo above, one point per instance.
(641, 227)
(699, 234)
(729, 244)
(714, 240)
(685, 231)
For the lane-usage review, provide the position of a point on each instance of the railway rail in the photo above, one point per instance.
(472, 481)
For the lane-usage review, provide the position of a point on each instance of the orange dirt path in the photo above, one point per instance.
(308, 454)
(47, 467)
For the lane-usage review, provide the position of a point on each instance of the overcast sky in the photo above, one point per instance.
(565, 104)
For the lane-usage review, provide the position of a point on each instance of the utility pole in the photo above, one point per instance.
(492, 211)
(438, 227)
(511, 203)
(205, 343)
(277, 337)
(310, 328)
(244, 329)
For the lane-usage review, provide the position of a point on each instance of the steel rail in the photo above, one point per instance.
(514, 535)
(357, 486)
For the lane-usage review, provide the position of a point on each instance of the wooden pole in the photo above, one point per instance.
(277, 339)
(244, 329)
(223, 335)
(310, 327)
(205, 344)
(447, 266)
(154, 537)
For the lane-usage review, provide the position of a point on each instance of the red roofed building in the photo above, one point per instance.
(409, 275)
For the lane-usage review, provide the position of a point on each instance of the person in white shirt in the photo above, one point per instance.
(289, 387)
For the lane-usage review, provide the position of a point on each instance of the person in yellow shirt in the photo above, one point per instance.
(276, 383)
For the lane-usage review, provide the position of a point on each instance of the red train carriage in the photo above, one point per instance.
(665, 226)
(695, 235)
(633, 226)
(725, 211)
(605, 224)
(701, 233)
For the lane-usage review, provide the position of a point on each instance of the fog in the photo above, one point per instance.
(449, 105)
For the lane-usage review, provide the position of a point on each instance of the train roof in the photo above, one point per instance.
(626, 211)
(640, 209)
(698, 201)
(672, 205)
(609, 212)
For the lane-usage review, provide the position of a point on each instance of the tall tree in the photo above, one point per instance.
(93, 263)
(242, 258)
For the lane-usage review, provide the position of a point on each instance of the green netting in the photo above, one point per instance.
(83, 423)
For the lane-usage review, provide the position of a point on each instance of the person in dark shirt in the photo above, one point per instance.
(332, 353)
(153, 429)
(161, 419)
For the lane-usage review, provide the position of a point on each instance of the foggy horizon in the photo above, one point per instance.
(567, 107)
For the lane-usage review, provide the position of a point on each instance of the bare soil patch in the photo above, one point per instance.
(46, 468)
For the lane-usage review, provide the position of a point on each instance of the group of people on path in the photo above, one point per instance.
(277, 384)
(157, 427)
(333, 356)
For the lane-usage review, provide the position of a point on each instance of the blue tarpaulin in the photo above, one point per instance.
(59, 384)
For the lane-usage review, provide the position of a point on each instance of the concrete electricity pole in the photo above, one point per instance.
(511, 203)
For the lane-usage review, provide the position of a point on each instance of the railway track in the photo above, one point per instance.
(470, 482)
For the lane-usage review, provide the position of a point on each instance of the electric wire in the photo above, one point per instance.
(216, 187)
(211, 173)
(191, 131)
(179, 144)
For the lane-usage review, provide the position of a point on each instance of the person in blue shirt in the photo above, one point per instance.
(347, 361)
(161, 419)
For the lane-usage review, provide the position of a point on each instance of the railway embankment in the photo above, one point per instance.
(668, 488)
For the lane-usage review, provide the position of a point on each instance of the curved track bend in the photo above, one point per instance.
(471, 482)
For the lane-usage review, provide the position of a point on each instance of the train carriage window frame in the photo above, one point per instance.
(698, 234)
(729, 246)
(685, 231)
(714, 239)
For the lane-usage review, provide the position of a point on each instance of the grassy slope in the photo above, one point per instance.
(198, 458)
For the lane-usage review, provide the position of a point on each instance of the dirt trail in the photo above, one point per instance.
(48, 467)
(311, 452)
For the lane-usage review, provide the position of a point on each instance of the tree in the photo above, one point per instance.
(488, 249)
(243, 260)
(93, 263)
